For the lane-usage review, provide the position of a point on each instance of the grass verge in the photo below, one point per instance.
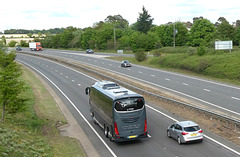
(34, 131)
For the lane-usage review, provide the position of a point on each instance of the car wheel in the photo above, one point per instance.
(168, 134)
(179, 140)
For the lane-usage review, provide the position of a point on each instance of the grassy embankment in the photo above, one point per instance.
(33, 132)
(215, 64)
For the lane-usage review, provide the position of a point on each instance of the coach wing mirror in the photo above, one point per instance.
(87, 90)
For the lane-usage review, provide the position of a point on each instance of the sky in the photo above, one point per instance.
(47, 14)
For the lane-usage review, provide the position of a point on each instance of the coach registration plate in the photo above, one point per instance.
(133, 136)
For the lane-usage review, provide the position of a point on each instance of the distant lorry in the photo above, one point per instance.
(35, 46)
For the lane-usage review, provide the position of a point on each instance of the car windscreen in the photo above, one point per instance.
(39, 45)
(192, 128)
(129, 104)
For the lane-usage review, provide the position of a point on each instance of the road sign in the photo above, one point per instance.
(223, 45)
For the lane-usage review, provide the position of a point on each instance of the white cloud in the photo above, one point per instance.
(46, 14)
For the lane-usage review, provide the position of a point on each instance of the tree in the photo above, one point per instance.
(104, 35)
(128, 40)
(225, 31)
(39, 34)
(23, 43)
(76, 38)
(237, 23)
(89, 34)
(117, 20)
(236, 40)
(197, 18)
(12, 43)
(10, 83)
(146, 42)
(201, 33)
(144, 22)
(140, 55)
(67, 36)
(4, 39)
(160, 32)
(30, 35)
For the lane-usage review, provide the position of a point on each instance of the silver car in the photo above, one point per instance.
(126, 63)
(185, 131)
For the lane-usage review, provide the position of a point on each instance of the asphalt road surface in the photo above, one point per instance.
(70, 85)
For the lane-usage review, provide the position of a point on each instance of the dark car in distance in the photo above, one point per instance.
(126, 63)
(89, 51)
(18, 48)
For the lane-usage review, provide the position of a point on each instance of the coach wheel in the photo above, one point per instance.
(106, 131)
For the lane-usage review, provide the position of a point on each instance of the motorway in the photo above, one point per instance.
(213, 95)
(70, 85)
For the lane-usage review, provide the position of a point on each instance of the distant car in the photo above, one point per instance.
(185, 131)
(18, 48)
(126, 63)
(89, 51)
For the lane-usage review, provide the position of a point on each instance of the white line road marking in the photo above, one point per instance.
(140, 72)
(79, 84)
(185, 84)
(153, 75)
(236, 98)
(207, 90)
(73, 81)
(167, 79)
(66, 76)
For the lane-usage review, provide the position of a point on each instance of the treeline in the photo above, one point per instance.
(35, 31)
(115, 33)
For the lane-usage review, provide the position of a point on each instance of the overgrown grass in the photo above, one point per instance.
(33, 132)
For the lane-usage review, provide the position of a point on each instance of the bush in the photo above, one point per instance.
(140, 55)
(12, 43)
(191, 51)
(157, 53)
(23, 43)
(201, 50)
(202, 65)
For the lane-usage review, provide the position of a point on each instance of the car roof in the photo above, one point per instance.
(187, 123)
